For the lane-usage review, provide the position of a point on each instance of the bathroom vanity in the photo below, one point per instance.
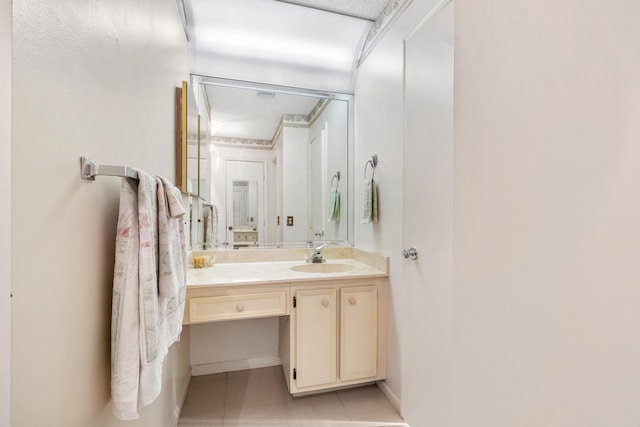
(332, 316)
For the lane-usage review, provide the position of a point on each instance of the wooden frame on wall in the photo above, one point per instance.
(181, 137)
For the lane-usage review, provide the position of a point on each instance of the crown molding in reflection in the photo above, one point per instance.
(389, 15)
(292, 121)
(295, 120)
(242, 142)
(318, 109)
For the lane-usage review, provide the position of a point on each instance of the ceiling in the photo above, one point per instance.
(239, 113)
(310, 44)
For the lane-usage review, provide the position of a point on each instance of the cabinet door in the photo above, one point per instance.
(316, 337)
(358, 332)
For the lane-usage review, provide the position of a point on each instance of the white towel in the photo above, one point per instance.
(125, 322)
(171, 244)
(148, 290)
(370, 202)
(208, 227)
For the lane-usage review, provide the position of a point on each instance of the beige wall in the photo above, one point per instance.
(547, 213)
(92, 78)
(5, 210)
(546, 210)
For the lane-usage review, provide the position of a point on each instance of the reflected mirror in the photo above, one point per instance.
(187, 139)
(245, 205)
(187, 147)
(279, 164)
(193, 130)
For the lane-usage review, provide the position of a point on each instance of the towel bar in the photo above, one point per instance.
(89, 168)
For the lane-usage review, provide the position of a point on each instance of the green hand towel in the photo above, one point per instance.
(334, 206)
(370, 203)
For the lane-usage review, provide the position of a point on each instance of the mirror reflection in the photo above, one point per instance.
(277, 165)
(193, 130)
(245, 205)
(244, 213)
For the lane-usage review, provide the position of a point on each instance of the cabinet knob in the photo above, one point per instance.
(325, 302)
(352, 301)
(239, 307)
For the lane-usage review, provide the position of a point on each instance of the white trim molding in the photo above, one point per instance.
(389, 15)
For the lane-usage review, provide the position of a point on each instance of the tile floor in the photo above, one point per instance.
(259, 397)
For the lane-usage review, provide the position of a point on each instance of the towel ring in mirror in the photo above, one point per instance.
(334, 177)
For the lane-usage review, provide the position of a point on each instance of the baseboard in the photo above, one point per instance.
(386, 390)
(234, 365)
(182, 399)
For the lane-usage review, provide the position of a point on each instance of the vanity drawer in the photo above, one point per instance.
(245, 236)
(228, 307)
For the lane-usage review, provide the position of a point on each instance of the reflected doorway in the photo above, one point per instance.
(245, 216)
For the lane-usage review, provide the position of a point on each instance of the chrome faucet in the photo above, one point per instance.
(317, 254)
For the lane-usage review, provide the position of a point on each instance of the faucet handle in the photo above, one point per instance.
(319, 247)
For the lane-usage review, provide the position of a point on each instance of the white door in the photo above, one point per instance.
(316, 337)
(358, 332)
(428, 219)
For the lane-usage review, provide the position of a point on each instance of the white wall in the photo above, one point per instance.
(547, 222)
(90, 78)
(231, 346)
(5, 211)
(295, 183)
(337, 152)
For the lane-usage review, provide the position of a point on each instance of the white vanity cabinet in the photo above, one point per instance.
(331, 321)
(316, 338)
(337, 334)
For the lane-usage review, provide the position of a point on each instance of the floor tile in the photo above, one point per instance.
(321, 407)
(274, 414)
(368, 404)
(259, 397)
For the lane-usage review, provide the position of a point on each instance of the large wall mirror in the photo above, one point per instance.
(276, 165)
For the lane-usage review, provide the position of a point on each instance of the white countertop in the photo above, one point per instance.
(273, 272)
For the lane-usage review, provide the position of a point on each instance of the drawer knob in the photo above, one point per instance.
(352, 301)
(325, 302)
(239, 307)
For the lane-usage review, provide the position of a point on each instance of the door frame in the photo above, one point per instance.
(5, 210)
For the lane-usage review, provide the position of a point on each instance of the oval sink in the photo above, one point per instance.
(322, 268)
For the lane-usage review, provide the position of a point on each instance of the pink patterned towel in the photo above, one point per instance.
(149, 287)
